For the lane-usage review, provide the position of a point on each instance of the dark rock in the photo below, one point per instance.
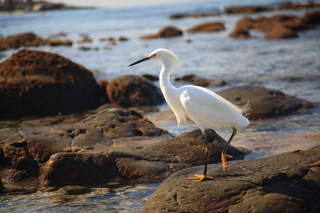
(103, 92)
(151, 77)
(247, 9)
(287, 182)
(1, 186)
(132, 90)
(166, 32)
(78, 169)
(60, 154)
(37, 83)
(192, 15)
(207, 27)
(280, 33)
(21, 40)
(312, 17)
(199, 81)
(158, 160)
(264, 102)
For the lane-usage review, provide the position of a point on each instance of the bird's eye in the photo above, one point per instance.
(152, 56)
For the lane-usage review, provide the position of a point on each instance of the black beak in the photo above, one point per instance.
(141, 60)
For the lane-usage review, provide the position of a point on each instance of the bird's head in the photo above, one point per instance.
(158, 54)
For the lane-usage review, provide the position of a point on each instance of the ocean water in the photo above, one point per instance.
(214, 56)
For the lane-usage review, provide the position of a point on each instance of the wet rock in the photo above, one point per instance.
(75, 190)
(264, 102)
(247, 9)
(158, 160)
(132, 90)
(61, 154)
(287, 182)
(37, 83)
(20, 40)
(280, 33)
(207, 27)
(192, 15)
(199, 81)
(166, 32)
(78, 169)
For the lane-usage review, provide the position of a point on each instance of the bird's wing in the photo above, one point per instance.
(209, 110)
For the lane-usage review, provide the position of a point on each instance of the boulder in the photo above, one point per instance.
(288, 182)
(264, 102)
(207, 27)
(21, 40)
(37, 83)
(132, 90)
(166, 32)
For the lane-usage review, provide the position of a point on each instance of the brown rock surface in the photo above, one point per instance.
(132, 90)
(166, 32)
(280, 33)
(264, 102)
(37, 83)
(50, 152)
(207, 27)
(288, 182)
(21, 40)
(247, 9)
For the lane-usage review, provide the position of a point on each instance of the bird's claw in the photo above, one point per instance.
(198, 178)
(224, 160)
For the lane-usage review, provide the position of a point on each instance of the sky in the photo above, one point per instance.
(114, 3)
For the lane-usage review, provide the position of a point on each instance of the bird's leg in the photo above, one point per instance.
(204, 176)
(223, 154)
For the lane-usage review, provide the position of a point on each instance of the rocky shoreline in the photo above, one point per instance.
(79, 133)
(108, 145)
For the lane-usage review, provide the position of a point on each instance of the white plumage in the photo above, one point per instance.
(204, 107)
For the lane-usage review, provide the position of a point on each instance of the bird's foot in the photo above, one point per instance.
(198, 178)
(224, 160)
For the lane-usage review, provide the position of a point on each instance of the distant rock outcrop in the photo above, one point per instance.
(166, 32)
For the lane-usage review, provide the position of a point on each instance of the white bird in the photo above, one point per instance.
(204, 107)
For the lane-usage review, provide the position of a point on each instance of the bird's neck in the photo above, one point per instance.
(164, 78)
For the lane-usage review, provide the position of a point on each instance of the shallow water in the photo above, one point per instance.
(215, 56)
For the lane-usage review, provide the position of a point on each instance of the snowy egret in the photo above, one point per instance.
(204, 107)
